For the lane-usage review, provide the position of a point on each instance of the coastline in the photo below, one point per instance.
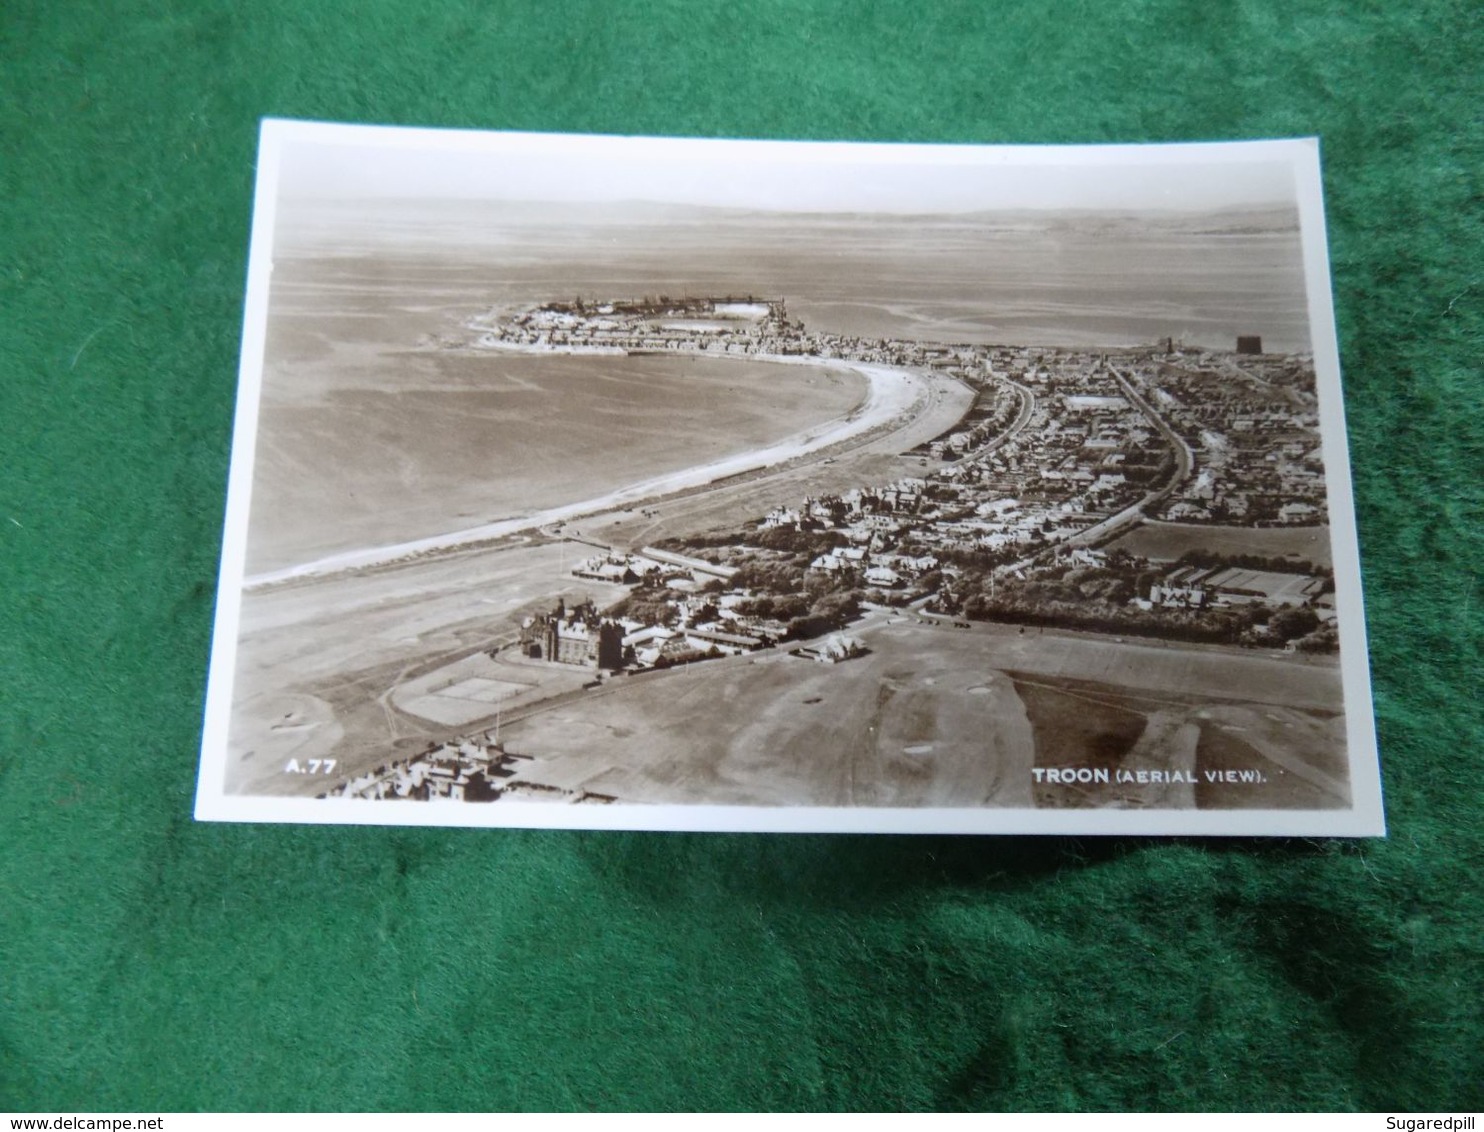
(891, 391)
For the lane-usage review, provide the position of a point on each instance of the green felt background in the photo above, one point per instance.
(147, 962)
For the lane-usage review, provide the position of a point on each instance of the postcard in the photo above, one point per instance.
(648, 483)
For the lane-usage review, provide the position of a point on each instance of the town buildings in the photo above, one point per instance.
(1061, 451)
(580, 636)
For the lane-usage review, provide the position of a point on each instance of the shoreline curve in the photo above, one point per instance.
(891, 391)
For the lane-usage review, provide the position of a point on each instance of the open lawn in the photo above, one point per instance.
(937, 716)
(1168, 541)
(782, 730)
(1280, 757)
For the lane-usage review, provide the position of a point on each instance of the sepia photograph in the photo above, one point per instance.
(602, 482)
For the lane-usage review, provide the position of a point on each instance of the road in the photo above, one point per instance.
(1184, 465)
(1100, 532)
(1022, 418)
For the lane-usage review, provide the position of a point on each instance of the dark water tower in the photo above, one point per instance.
(1249, 344)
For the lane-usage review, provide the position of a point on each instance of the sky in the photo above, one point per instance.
(317, 161)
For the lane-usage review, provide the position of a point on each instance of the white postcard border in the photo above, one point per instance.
(1364, 818)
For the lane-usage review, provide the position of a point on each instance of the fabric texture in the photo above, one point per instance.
(151, 963)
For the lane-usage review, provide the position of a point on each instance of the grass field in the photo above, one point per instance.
(1298, 756)
(1074, 730)
(1168, 541)
(1302, 755)
(935, 716)
(782, 730)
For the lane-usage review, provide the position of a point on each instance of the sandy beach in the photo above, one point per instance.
(892, 392)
